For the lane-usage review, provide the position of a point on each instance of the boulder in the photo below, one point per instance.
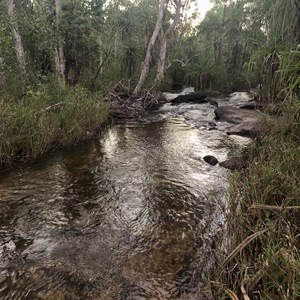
(234, 163)
(190, 98)
(236, 115)
(247, 129)
(210, 160)
(247, 122)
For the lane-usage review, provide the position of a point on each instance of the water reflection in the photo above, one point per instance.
(125, 217)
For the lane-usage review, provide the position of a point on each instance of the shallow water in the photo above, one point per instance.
(134, 214)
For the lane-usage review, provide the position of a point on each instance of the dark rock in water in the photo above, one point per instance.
(251, 106)
(190, 98)
(213, 102)
(234, 163)
(210, 160)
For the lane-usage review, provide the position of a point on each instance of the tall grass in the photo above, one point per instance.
(264, 219)
(264, 208)
(47, 117)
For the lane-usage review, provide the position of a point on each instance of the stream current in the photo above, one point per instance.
(133, 214)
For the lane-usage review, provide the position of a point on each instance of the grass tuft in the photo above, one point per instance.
(47, 118)
(265, 198)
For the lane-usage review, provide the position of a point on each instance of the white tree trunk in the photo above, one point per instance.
(163, 48)
(17, 41)
(146, 63)
(60, 62)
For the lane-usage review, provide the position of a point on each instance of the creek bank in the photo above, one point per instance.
(264, 216)
(38, 123)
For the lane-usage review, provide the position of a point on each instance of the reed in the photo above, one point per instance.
(47, 118)
(264, 208)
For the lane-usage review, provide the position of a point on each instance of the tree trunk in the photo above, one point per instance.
(60, 61)
(2, 77)
(146, 63)
(163, 48)
(17, 41)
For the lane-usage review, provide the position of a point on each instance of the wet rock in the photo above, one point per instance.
(210, 160)
(212, 126)
(236, 115)
(213, 102)
(247, 129)
(247, 122)
(251, 106)
(254, 105)
(234, 163)
(190, 98)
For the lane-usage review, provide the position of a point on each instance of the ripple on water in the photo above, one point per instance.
(136, 214)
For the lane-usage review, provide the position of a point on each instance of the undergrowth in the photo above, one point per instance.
(48, 117)
(264, 218)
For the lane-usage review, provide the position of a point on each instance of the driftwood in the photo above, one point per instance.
(125, 105)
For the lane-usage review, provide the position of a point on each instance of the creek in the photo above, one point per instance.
(134, 214)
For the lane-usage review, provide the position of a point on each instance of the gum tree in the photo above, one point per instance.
(17, 42)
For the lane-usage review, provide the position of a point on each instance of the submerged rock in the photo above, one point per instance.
(190, 98)
(210, 160)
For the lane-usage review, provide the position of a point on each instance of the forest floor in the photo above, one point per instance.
(264, 218)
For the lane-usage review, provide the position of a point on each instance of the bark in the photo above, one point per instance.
(218, 42)
(60, 61)
(146, 63)
(232, 60)
(2, 77)
(163, 48)
(17, 42)
(297, 33)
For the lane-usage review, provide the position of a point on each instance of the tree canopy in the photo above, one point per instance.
(99, 42)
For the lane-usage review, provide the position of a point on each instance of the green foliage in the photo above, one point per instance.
(266, 197)
(34, 125)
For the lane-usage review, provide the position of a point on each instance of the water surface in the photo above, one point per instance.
(134, 214)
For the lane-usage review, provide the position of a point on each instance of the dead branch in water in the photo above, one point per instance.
(125, 105)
